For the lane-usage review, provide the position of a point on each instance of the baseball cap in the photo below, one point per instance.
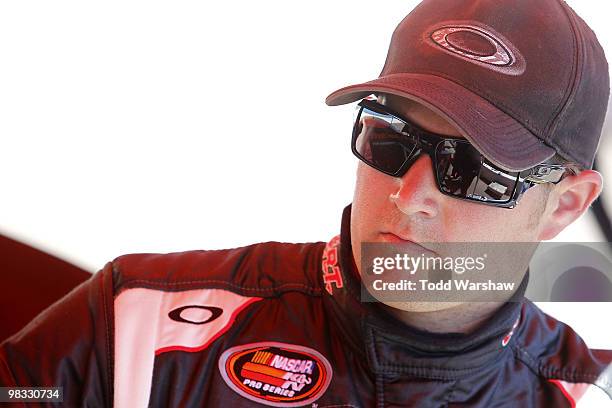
(520, 79)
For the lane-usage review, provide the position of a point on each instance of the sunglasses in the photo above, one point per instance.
(384, 140)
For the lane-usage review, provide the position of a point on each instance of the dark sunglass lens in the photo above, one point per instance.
(381, 143)
(494, 184)
(458, 165)
(463, 172)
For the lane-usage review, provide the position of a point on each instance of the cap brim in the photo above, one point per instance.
(498, 136)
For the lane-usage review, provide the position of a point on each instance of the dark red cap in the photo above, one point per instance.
(521, 79)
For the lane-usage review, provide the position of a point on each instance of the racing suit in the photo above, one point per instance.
(282, 324)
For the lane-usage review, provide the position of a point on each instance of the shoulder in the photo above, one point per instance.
(264, 269)
(555, 352)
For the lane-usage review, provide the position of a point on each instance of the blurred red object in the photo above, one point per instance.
(30, 281)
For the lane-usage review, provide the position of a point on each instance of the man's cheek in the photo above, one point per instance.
(468, 222)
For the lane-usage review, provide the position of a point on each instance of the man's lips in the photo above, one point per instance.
(397, 239)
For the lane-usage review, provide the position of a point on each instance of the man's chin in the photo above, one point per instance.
(421, 307)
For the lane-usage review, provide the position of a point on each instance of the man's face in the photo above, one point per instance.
(411, 208)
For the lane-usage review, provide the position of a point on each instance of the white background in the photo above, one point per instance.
(163, 126)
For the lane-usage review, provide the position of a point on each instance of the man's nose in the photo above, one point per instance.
(417, 192)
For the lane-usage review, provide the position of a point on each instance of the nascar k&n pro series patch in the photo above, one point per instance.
(276, 374)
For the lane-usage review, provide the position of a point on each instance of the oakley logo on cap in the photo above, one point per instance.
(478, 44)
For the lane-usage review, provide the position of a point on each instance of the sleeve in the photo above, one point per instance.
(68, 345)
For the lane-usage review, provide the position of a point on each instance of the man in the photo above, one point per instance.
(484, 111)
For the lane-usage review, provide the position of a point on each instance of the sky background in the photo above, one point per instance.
(163, 126)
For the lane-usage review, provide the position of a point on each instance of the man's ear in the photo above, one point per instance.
(569, 200)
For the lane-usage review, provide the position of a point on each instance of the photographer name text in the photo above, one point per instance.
(443, 285)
